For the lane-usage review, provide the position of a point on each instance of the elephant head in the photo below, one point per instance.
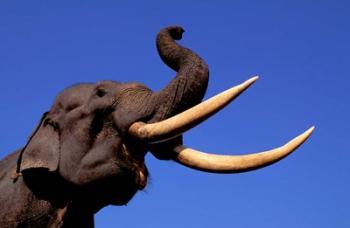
(95, 136)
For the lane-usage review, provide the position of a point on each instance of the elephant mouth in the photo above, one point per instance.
(134, 164)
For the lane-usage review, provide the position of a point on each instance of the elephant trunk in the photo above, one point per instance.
(188, 87)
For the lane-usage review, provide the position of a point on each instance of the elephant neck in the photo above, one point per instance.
(39, 200)
(54, 203)
(28, 209)
(71, 215)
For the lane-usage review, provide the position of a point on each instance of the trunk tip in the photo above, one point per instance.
(175, 32)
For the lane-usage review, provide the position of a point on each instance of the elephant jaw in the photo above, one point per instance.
(178, 124)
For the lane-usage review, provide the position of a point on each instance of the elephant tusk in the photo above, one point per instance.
(235, 164)
(178, 124)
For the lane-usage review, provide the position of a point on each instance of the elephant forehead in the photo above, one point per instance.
(121, 91)
(74, 96)
(119, 87)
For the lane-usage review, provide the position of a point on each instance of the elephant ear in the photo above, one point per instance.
(42, 149)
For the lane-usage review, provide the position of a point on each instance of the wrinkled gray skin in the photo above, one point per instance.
(80, 157)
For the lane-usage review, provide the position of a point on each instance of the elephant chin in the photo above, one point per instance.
(116, 189)
(113, 191)
(125, 187)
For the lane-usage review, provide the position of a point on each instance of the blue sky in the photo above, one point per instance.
(300, 49)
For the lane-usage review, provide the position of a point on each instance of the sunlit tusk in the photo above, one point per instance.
(176, 125)
(239, 163)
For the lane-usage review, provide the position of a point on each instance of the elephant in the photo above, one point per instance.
(88, 150)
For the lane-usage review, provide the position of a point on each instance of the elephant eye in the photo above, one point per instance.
(71, 107)
(100, 92)
(51, 123)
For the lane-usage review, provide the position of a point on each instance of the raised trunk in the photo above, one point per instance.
(188, 87)
(184, 91)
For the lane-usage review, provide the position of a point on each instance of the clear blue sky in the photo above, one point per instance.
(300, 49)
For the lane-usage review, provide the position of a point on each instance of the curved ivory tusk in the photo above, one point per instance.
(239, 163)
(176, 125)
